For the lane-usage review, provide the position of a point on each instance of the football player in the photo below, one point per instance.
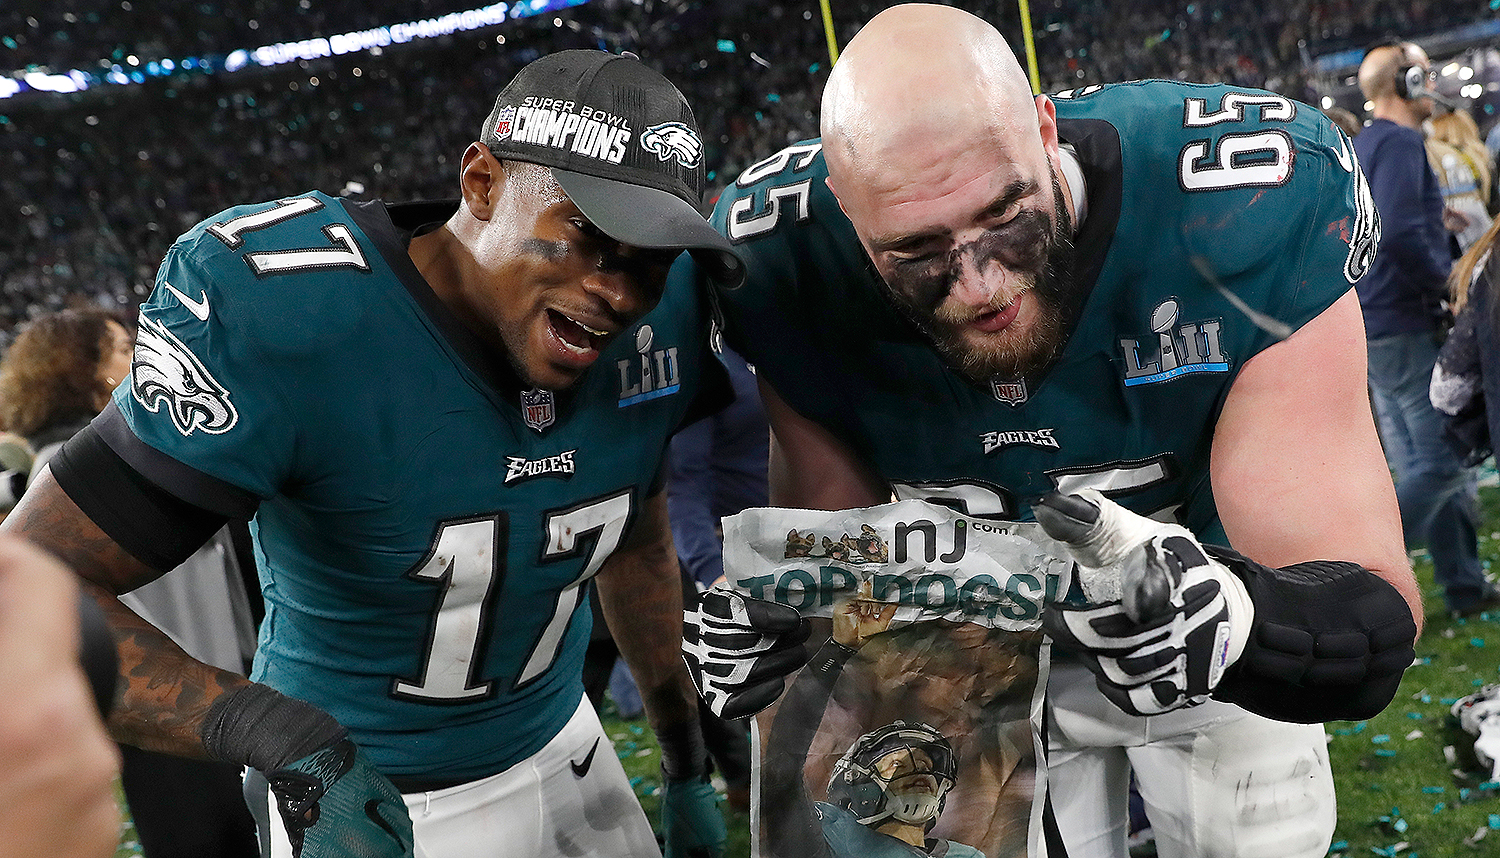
(1125, 311)
(446, 420)
(893, 779)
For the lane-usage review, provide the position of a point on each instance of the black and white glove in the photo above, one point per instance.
(1164, 620)
(739, 650)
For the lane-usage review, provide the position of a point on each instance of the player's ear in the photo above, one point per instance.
(1046, 114)
(828, 180)
(480, 178)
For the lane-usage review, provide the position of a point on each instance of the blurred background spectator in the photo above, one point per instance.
(1465, 173)
(718, 468)
(60, 372)
(1465, 384)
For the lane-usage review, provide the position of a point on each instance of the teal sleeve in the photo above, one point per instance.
(201, 390)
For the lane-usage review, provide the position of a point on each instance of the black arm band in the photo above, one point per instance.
(1329, 642)
(257, 726)
(683, 756)
(155, 526)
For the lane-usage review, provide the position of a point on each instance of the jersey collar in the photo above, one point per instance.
(1073, 174)
(393, 225)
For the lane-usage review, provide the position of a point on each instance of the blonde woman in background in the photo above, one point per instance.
(1467, 375)
(1463, 168)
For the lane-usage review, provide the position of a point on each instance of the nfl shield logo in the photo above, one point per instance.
(1010, 392)
(503, 123)
(536, 407)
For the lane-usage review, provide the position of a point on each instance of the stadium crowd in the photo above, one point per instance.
(101, 181)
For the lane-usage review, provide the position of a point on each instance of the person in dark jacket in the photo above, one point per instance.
(1402, 297)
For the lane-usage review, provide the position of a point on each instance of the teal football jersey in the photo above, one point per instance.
(1218, 220)
(848, 839)
(424, 528)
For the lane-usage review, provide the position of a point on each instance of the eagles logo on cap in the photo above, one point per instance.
(674, 140)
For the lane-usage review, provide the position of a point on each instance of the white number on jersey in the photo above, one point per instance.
(467, 564)
(1239, 160)
(749, 217)
(345, 251)
(980, 499)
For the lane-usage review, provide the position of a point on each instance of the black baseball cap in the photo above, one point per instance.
(623, 144)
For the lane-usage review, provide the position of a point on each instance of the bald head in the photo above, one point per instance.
(1377, 73)
(945, 165)
(917, 75)
(1382, 65)
(1377, 80)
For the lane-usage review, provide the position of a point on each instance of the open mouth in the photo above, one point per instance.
(577, 337)
(1000, 318)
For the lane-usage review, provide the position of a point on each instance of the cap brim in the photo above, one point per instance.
(651, 218)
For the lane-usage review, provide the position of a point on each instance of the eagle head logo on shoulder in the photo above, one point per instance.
(164, 371)
(670, 140)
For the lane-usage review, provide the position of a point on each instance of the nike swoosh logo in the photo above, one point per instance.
(372, 810)
(581, 769)
(198, 308)
(1346, 159)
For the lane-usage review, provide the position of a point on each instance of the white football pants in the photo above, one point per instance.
(538, 807)
(1217, 781)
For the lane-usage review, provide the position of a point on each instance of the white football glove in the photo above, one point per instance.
(1164, 620)
(739, 650)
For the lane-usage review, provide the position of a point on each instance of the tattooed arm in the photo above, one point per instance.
(640, 592)
(163, 693)
(172, 703)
